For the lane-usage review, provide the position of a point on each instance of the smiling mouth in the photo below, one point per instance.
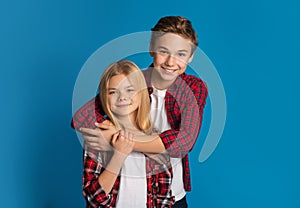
(123, 105)
(169, 70)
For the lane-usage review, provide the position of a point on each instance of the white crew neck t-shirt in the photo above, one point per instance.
(160, 124)
(133, 184)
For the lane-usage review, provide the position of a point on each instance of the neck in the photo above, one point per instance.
(128, 121)
(159, 83)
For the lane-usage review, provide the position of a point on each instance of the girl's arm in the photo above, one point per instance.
(108, 177)
(98, 181)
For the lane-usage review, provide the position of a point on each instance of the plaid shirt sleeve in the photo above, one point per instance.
(159, 180)
(184, 105)
(164, 195)
(88, 114)
(92, 190)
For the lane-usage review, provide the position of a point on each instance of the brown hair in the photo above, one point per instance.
(177, 25)
(136, 77)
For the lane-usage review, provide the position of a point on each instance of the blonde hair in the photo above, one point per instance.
(136, 77)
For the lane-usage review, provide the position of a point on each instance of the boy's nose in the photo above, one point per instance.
(170, 60)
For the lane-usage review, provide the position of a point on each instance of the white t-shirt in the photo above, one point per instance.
(133, 184)
(160, 123)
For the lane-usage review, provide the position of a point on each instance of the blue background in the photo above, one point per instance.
(254, 46)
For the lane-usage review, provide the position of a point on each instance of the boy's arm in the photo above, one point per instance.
(178, 142)
(85, 121)
(88, 114)
(149, 144)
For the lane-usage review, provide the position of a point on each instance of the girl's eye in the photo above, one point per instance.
(130, 90)
(112, 92)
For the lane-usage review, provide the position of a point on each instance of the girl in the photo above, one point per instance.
(122, 178)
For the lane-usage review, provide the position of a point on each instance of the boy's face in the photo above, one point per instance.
(171, 53)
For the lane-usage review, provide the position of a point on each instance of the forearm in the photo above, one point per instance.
(108, 177)
(178, 143)
(149, 144)
(92, 190)
(179, 140)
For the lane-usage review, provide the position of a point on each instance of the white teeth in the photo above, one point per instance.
(169, 70)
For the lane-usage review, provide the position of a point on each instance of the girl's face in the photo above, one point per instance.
(123, 98)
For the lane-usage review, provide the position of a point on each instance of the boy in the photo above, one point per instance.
(177, 103)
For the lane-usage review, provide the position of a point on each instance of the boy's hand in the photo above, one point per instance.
(99, 138)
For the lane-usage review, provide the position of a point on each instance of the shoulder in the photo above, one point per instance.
(147, 72)
(88, 114)
(194, 82)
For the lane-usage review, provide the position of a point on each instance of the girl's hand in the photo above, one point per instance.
(122, 142)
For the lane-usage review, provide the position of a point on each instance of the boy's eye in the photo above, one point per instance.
(182, 54)
(163, 52)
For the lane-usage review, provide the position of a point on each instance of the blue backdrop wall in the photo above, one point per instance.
(254, 46)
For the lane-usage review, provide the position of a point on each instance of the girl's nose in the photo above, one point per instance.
(122, 96)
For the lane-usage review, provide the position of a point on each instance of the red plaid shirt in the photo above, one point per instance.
(158, 176)
(184, 101)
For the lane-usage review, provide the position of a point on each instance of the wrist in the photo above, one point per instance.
(119, 156)
(116, 163)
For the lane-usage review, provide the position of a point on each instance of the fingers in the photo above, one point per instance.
(89, 131)
(93, 139)
(114, 138)
(127, 135)
(93, 146)
(122, 136)
(106, 122)
(105, 125)
(124, 139)
(90, 141)
(130, 138)
(88, 138)
(102, 126)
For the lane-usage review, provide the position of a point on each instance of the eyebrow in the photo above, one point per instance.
(113, 88)
(182, 50)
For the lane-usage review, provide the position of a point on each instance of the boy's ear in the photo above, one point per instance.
(151, 50)
(151, 53)
(191, 58)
